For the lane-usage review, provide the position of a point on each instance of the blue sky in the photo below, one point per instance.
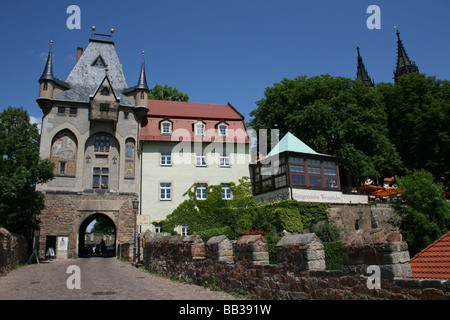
(221, 51)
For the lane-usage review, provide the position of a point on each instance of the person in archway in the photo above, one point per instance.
(102, 247)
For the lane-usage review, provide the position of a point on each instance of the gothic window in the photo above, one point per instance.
(129, 158)
(102, 143)
(64, 153)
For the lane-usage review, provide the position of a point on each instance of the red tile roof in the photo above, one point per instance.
(183, 115)
(179, 109)
(433, 262)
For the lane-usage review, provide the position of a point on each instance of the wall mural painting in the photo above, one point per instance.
(129, 159)
(64, 153)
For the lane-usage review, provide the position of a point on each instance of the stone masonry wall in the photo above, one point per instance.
(65, 212)
(300, 273)
(13, 250)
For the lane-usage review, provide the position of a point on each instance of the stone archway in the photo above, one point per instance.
(82, 233)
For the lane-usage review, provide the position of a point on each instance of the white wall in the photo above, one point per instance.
(183, 173)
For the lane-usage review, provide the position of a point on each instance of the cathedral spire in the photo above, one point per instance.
(404, 64)
(48, 70)
(142, 83)
(362, 73)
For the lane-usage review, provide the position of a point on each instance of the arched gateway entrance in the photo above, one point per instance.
(90, 244)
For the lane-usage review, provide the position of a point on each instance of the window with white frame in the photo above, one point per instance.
(223, 130)
(200, 160)
(166, 128)
(165, 191)
(200, 129)
(201, 191)
(166, 159)
(184, 229)
(158, 228)
(226, 191)
(224, 160)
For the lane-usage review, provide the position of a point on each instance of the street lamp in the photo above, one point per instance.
(135, 203)
(234, 222)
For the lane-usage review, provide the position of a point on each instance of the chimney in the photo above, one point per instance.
(79, 53)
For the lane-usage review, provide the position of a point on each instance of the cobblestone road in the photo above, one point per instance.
(101, 279)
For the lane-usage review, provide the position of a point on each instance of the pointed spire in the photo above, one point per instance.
(404, 64)
(142, 83)
(361, 73)
(48, 70)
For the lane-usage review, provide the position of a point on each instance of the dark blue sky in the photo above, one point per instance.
(221, 51)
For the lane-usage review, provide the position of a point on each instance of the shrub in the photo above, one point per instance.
(208, 234)
(333, 255)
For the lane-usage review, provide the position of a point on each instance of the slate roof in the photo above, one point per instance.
(85, 78)
(433, 262)
(292, 144)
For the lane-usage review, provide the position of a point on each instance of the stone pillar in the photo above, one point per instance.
(253, 250)
(220, 248)
(195, 247)
(301, 251)
(380, 246)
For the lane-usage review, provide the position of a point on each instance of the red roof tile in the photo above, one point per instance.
(183, 115)
(433, 262)
(179, 109)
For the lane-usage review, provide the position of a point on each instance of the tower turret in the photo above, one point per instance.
(141, 89)
(361, 73)
(49, 86)
(404, 64)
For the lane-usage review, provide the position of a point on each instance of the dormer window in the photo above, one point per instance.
(166, 127)
(99, 62)
(199, 128)
(105, 91)
(222, 129)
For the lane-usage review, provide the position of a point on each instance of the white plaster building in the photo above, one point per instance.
(185, 143)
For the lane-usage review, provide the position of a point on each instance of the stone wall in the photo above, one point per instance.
(242, 266)
(65, 213)
(13, 250)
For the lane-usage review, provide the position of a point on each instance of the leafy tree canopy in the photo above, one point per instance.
(423, 209)
(418, 109)
(20, 170)
(103, 225)
(336, 116)
(158, 92)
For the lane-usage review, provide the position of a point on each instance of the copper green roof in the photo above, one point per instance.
(292, 144)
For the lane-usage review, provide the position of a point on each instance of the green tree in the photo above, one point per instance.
(418, 109)
(20, 170)
(423, 209)
(158, 92)
(336, 116)
(103, 225)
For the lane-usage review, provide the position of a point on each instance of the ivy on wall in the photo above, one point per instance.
(217, 213)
